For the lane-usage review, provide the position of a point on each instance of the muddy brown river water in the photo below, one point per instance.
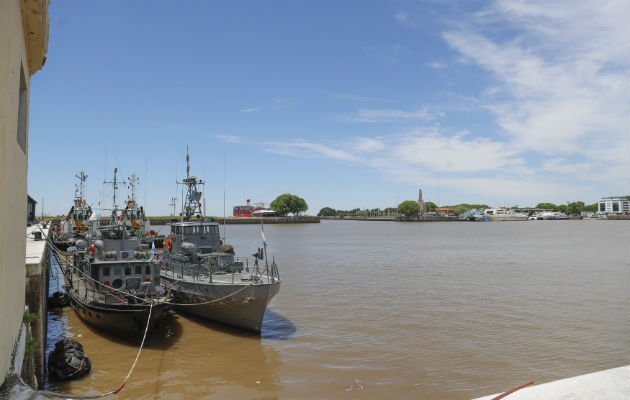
(409, 310)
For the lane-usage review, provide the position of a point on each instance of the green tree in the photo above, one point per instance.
(409, 208)
(429, 206)
(288, 203)
(591, 208)
(327, 212)
(547, 206)
(575, 207)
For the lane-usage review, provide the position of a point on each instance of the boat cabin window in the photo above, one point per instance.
(138, 269)
(81, 215)
(147, 270)
(127, 270)
(105, 271)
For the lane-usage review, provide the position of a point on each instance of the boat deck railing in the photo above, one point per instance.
(201, 273)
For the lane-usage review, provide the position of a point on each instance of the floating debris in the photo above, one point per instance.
(355, 386)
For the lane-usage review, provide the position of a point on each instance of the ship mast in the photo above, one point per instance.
(114, 184)
(192, 199)
(133, 181)
(173, 204)
(78, 188)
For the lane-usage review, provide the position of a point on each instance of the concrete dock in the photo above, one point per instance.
(611, 384)
(36, 295)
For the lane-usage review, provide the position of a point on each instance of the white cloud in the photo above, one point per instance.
(563, 79)
(436, 65)
(402, 17)
(249, 110)
(560, 99)
(303, 148)
(228, 138)
(368, 145)
(391, 115)
(454, 153)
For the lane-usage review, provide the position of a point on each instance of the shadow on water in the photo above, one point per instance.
(165, 334)
(277, 327)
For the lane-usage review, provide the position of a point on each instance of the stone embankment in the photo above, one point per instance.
(398, 218)
(304, 219)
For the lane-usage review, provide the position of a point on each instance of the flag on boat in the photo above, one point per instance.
(153, 246)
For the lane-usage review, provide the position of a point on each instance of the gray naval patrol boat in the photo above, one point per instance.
(113, 282)
(206, 278)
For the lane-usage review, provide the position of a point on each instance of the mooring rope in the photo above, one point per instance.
(113, 391)
(502, 395)
(206, 302)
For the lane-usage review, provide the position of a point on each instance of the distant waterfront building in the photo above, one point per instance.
(619, 205)
(23, 48)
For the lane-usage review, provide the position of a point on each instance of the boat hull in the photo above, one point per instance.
(125, 321)
(242, 306)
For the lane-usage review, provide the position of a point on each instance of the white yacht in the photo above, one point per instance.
(504, 214)
(554, 215)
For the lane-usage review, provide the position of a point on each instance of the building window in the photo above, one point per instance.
(602, 207)
(22, 111)
(615, 206)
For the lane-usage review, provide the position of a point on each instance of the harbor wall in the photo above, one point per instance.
(304, 219)
(24, 33)
(36, 296)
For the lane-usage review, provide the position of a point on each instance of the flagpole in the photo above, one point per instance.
(262, 231)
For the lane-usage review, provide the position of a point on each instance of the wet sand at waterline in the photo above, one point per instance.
(411, 310)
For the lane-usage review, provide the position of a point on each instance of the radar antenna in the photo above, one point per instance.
(192, 199)
(133, 180)
(79, 200)
(114, 184)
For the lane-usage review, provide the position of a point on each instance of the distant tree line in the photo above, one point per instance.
(357, 212)
(411, 207)
(575, 207)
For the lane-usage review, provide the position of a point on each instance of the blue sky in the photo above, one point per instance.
(344, 103)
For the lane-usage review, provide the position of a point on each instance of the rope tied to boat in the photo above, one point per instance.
(113, 391)
(171, 285)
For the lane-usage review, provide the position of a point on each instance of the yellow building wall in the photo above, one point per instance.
(14, 49)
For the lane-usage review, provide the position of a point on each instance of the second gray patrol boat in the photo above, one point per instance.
(206, 278)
